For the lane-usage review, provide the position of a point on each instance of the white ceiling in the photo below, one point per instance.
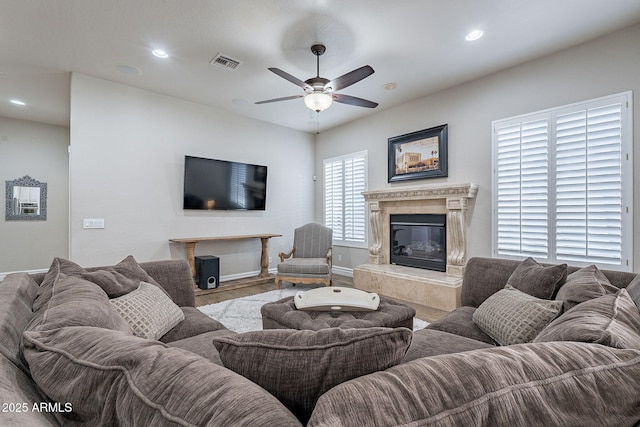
(417, 44)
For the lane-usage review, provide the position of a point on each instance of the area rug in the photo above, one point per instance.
(243, 314)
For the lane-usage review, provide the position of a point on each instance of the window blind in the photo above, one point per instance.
(562, 185)
(345, 178)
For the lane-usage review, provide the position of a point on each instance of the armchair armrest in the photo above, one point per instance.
(284, 256)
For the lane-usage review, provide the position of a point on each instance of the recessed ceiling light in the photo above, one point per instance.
(160, 53)
(390, 86)
(473, 35)
(128, 69)
(18, 102)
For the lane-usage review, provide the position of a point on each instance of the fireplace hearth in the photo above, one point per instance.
(419, 240)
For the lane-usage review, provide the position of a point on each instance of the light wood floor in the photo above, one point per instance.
(422, 312)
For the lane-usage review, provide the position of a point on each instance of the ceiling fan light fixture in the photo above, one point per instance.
(318, 101)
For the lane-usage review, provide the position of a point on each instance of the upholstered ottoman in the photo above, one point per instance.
(283, 314)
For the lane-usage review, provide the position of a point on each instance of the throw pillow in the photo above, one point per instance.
(513, 317)
(118, 280)
(149, 312)
(299, 366)
(73, 301)
(611, 320)
(112, 379)
(537, 280)
(583, 285)
(634, 290)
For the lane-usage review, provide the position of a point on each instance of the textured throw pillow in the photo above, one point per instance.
(299, 366)
(113, 379)
(73, 301)
(513, 317)
(546, 384)
(149, 312)
(536, 280)
(634, 290)
(611, 320)
(583, 285)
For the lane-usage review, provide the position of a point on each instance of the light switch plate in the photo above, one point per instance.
(93, 223)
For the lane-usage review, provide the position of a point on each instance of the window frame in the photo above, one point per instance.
(625, 99)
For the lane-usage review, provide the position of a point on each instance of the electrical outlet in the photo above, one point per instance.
(339, 258)
(93, 223)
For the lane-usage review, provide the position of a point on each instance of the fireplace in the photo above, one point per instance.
(418, 240)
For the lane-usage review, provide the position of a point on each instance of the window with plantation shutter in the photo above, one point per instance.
(345, 178)
(562, 184)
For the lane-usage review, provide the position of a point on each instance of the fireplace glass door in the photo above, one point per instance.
(419, 240)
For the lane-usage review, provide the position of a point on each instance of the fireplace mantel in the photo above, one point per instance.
(449, 199)
(434, 289)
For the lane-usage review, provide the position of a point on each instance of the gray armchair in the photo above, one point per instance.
(310, 259)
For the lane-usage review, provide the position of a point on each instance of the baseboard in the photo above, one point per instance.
(342, 271)
(6, 273)
(244, 275)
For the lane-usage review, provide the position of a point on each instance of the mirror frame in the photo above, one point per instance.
(25, 181)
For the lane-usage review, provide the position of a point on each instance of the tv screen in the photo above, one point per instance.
(211, 184)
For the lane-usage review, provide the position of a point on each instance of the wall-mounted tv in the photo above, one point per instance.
(211, 184)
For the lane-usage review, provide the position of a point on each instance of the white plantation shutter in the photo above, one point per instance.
(345, 178)
(563, 184)
(589, 185)
(522, 188)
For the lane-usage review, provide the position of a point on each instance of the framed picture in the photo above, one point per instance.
(419, 155)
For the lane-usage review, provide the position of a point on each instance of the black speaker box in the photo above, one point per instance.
(207, 271)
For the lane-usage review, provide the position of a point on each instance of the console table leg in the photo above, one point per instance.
(264, 258)
(191, 256)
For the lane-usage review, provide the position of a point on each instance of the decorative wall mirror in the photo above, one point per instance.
(26, 200)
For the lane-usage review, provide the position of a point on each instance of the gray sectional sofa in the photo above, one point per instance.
(76, 351)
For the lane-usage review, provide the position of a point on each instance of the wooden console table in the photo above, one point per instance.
(190, 243)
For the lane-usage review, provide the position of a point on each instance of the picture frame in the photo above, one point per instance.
(419, 155)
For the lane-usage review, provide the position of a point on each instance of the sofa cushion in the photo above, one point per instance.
(17, 292)
(544, 384)
(583, 285)
(18, 395)
(73, 301)
(611, 320)
(201, 344)
(304, 266)
(634, 290)
(110, 379)
(149, 311)
(299, 366)
(431, 342)
(513, 317)
(195, 323)
(537, 280)
(460, 322)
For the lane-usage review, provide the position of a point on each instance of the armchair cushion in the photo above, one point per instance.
(304, 266)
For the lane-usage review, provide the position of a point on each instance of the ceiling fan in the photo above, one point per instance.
(320, 92)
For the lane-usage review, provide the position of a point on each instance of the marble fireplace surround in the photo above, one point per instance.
(435, 289)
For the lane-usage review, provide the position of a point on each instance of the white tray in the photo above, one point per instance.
(336, 298)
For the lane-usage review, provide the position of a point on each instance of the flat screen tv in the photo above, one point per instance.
(211, 184)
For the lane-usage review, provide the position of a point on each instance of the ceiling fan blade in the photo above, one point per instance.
(290, 78)
(286, 98)
(352, 100)
(350, 78)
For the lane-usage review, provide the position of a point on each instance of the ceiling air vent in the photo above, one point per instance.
(226, 62)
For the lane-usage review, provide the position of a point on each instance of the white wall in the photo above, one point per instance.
(40, 151)
(127, 159)
(601, 67)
